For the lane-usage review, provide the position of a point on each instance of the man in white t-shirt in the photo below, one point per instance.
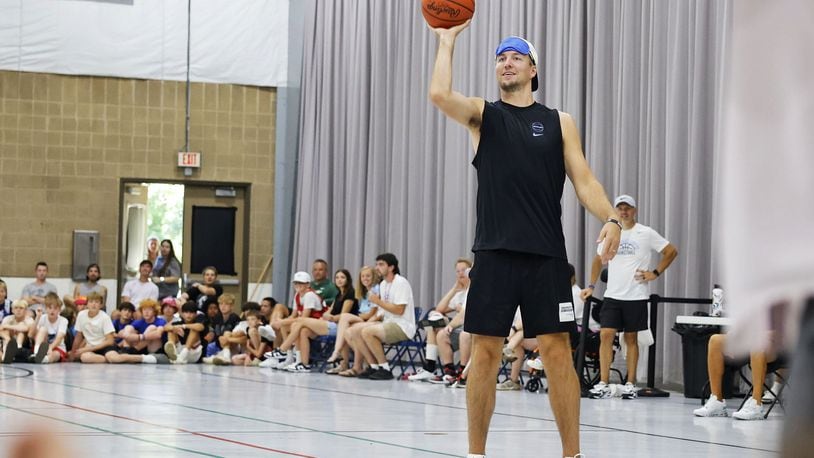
(398, 318)
(624, 307)
(141, 288)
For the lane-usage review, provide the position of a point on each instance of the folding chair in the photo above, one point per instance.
(411, 348)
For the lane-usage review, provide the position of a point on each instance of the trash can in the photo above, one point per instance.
(694, 344)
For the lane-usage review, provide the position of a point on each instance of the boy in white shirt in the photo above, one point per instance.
(14, 330)
(94, 333)
(49, 334)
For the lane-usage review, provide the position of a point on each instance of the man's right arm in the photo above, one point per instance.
(465, 110)
(596, 269)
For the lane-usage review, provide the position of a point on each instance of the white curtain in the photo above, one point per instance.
(382, 170)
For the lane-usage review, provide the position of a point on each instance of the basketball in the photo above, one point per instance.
(447, 13)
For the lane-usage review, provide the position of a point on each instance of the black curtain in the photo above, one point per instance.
(213, 239)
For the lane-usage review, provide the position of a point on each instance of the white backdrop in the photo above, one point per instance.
(243, 42)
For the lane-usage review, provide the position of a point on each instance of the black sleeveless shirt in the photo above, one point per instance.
(521, 174)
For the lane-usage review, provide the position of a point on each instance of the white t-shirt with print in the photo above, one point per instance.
(636, 248)
(399, 292)
(94, 329)
(54, 329)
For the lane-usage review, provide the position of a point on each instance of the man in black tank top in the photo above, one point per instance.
(523, 151)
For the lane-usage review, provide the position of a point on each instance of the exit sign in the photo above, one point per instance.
(189, 159)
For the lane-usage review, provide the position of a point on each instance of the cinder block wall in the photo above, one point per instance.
(66, 140)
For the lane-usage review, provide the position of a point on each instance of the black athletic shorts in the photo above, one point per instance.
(627, 316)
(103, 351)
(502, 280)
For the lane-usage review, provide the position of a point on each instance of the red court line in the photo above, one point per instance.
(121, 417)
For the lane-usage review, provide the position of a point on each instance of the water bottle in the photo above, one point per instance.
(717, 308)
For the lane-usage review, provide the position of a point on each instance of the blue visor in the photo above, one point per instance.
(522, 46)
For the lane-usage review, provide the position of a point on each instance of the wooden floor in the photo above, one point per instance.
(196, 410)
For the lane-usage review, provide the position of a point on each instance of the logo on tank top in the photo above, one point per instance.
(537, 129)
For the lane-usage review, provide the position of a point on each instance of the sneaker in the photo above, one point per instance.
(751, 410)
(629, 391)
(536, 363)
(508, 355)
(183, 357)
(194, 355)
(421, 376)
(366, 373)
(460, 383)
(171, 351)
(221, 360)
(208, 360)
(509, 385)
(278, 354)
(600, 391)
(42, 353)
(713, 408)
(298, 367)
(446, 379)
(270, 363)
(149, 359)
(381, 374)
(283, 363)
(11, 352)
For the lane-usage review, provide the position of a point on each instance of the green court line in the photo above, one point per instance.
(243, 417)
(110, 432)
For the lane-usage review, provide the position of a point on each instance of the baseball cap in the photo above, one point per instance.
(302, 277)
(625, 199)
(169, 300)
(522, 46)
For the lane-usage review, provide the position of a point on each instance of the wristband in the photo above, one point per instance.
(656, 272)
(614, 221)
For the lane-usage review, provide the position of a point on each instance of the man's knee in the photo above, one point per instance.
(606, 335)
(631, 338)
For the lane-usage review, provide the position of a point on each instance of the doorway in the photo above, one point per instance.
(207, 222)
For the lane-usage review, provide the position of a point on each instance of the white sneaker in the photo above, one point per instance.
(183, 357)
(629, 391)
(221, 360)
(508, 355)
(195, 354)
(171, 351)
(208, 359)
(149, 359)
(421, 376)
(282, 364)
(536, 363)
(713, 408)
(509, 385)
(298, 367)
(751, 410)
(600, 391)
(269, 362)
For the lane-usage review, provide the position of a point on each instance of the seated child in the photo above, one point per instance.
(14, 330)
(184, 336)
(49, 335)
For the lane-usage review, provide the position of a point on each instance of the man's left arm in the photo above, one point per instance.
(589, 191)
(668, 255)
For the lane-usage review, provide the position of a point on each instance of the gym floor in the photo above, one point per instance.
(196, 410)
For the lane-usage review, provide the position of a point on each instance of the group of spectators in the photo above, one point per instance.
(153, 323)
